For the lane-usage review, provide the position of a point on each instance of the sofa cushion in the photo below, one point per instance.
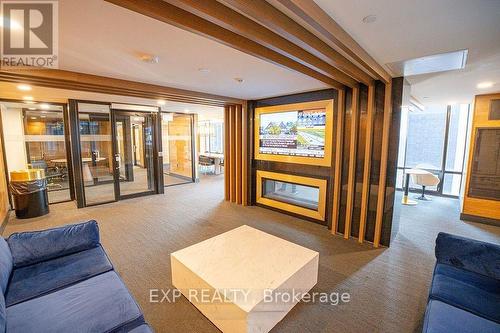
(444, 318)
(3, 314)
(469, 254)
(5, 264)
(38, 279)
(31, 247)
(142, 329)
(98, 304)
(473, 292)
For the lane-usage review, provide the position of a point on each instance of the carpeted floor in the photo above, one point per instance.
(388, 287)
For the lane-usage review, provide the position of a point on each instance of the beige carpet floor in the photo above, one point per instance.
(388, 287)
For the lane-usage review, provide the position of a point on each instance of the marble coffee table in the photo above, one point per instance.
(244, 280)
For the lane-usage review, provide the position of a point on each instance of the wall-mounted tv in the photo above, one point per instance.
(295, 133)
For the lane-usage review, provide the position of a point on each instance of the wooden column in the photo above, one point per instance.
(235, 156)
(351, 188)
(367, 162)
(238, 161)
(339, 139)
(383, 163)
(227, 153)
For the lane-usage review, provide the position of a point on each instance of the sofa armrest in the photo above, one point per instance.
(31, 247)
(468, 254)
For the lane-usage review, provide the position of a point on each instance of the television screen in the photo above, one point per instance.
(293, 133)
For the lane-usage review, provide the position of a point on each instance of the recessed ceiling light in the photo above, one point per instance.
(34, 118)
(204, 70)
(186, 110)
(43, 116)
(28, 98)
(150, 59)
(44, 106)
(24, 87)
(239, 79)
(484, 85)
(161, 102)
(369, 19)
(31, 109)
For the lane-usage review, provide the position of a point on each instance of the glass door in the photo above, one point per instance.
(134, 151)
(96, 149)
(177, 145)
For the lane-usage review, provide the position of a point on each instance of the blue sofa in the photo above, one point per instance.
(465, 290)
(61, 280)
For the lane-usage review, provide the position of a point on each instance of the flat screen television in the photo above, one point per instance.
(295, 133)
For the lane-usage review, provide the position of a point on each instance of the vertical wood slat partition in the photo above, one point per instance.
(383, 163)
(352, 162)
(337, 186)
(235, 154)
(367, 161)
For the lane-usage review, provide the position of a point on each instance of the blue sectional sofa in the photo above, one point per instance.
(61, 280)
(465, 290)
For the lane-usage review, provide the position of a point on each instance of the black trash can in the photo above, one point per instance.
(29, 190)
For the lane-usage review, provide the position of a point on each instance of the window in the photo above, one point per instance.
(434, 139)
(211, 136)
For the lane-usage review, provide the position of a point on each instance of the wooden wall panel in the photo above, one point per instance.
(367, 158)
(378, 127)
(339, 140)
(346, 146)
(321, 172)
(351, 181)
(477, 207)
(235, 154)
(360, 160)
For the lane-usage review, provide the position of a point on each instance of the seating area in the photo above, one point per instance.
(61, 280)
(249, 166)
(465, 291)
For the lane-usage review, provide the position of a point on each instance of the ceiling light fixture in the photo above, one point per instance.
(239, 79)
(31, 109)
(34, 118)
(150, 59)
(203, 70)
(28, 98)
(161, 102)
(24, 87)
(369, 19)
(44, 106)
(484, 85)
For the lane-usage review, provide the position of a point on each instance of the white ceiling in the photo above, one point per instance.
(100, 38)
(407, 29)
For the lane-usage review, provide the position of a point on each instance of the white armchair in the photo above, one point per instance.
(424, 179)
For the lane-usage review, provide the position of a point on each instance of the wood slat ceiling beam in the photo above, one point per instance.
(326, 26)
(173, 15)
(269, 16)
(60, 79)
(230, 19)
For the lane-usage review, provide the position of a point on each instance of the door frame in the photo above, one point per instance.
(193, 146)
(116, 168)
(74, 132)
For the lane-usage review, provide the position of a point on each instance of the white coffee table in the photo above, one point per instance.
(244, 280)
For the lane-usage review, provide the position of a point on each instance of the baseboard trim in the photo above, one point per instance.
(480, 219)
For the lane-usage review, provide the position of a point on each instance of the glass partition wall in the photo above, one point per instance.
(177, 145)
(435, 139)
(34, 137)
(117, 149)
(96, 152)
